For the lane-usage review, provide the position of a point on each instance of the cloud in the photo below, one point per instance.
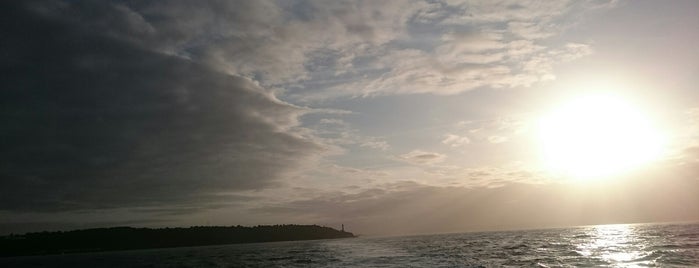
(277, 43)
(498, 130)
(422, 158)
(410, 207)
(316, 50)
(176, 102)
(455, 140)
(450, 48)
(94, 119)
(497, 139)
(337, 132)
(376, 144)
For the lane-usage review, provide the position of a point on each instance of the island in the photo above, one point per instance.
(126, 238)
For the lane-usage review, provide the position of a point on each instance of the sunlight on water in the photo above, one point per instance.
(615, 244)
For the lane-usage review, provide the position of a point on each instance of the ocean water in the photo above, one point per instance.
(591, 246)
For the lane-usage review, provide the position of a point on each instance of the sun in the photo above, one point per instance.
(597, 136)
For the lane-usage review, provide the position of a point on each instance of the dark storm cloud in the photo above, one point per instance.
(93, 118)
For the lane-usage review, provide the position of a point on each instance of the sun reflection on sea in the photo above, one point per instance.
(617, 245)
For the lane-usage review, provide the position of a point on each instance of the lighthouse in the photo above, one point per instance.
(343, 227)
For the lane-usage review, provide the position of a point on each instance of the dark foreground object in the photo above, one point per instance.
(123, 238)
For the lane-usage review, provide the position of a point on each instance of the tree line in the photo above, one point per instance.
(124, 238)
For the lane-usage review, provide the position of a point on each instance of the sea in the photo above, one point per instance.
(635, 245)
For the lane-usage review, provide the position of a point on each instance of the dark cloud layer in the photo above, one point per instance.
(93, 118)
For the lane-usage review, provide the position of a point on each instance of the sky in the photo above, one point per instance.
(390, 117)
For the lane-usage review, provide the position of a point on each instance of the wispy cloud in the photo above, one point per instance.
(422, 157)
(312, 50)
(455, 140)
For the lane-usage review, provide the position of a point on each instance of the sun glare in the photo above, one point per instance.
(597, 136)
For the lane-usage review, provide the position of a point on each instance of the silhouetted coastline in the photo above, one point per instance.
(125, 238)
